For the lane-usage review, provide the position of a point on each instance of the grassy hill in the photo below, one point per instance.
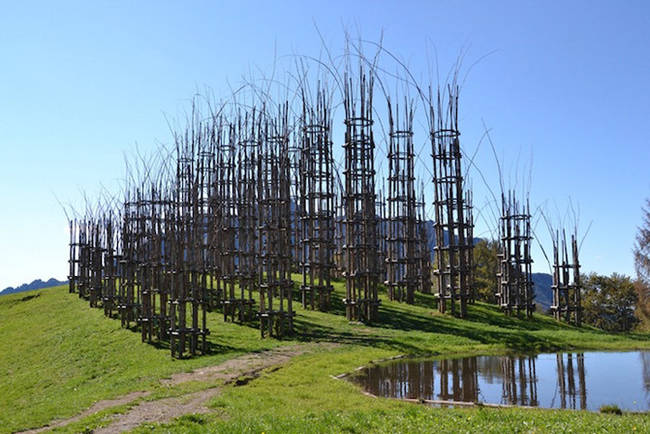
(59, 357)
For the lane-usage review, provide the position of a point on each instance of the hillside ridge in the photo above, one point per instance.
(36, 284)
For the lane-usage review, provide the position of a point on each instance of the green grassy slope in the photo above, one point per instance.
(58, 356)
(302, 397)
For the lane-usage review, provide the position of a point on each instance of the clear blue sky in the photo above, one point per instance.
(81, 83)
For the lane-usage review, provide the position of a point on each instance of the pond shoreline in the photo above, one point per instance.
(567, 379)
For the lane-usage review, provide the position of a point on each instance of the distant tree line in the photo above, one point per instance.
(610, 302)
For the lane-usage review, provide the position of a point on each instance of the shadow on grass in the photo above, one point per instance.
(313, 332)
(508, 331)
(18, 301)
(492, 315)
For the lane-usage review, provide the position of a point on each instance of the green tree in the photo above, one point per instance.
(609, 302)
(642, 248)
(642, 265)
(643, 306)
(486, 267)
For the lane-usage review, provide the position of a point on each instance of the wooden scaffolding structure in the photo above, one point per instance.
(361, 244)
(317, 204)
(567, 288)
(402, 260)
(515, 292)
(453, 221)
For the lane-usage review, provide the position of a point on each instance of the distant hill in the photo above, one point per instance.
(543, 291)
(36, 284)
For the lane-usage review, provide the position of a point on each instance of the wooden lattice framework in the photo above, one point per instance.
(317, 204)
(361, 244)
(422, 245)
(515, 292)
(402, 259)
(274, 239)
(452, 225)
(567, 287)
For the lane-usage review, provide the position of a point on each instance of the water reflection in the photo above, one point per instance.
(645, 360)
(567, 373)
(519, 381)
(547, 380)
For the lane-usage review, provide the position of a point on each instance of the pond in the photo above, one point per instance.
(583, 381)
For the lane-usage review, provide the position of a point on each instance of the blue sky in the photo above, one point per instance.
(565, 85)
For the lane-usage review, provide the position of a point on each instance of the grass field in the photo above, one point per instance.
(58, 357)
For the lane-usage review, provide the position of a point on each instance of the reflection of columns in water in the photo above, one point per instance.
(444, 380)
(532, 378)
(470, 379)
(464, 380)
(428, 378)
(509, 386)
(421, 378)
(581, 380)
(399, 372)
(519, 372)
(560, 379)
(645, 361)
(571, 384)
(414, 380)
(567, 382)
(455, 380)
(522, 381)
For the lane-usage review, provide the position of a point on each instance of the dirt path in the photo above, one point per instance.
(164, 410)
(96, 407)
(241, 365)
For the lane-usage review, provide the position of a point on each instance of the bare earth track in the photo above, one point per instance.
(96, 407)
(164, 410)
